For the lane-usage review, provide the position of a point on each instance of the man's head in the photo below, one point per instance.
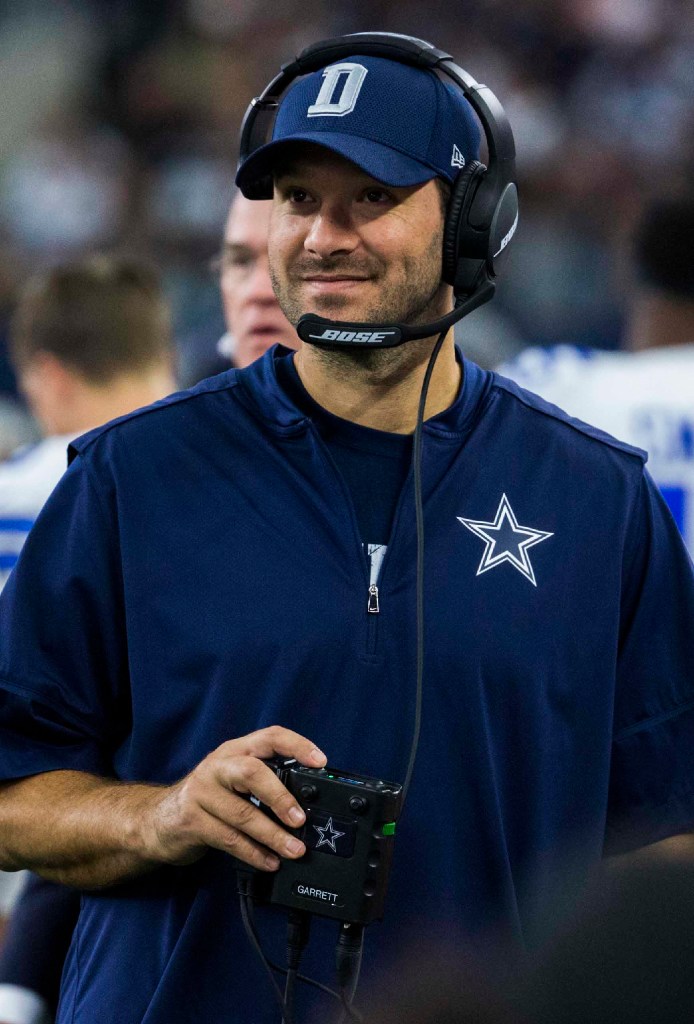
(349, 248)
(91, 339)
(251, 310)
(662, 313)
(373, 123)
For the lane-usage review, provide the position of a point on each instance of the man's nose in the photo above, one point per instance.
(259, 283)
(332, 231)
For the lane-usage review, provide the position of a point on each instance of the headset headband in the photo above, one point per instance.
(501, 169)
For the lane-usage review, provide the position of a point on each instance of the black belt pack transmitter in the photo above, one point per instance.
(348, 833)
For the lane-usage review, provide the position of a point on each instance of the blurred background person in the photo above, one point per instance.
(645, 394)
(252, 314)
(90, 340)
(625, 956)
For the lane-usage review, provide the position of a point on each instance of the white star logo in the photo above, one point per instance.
(505, 540)
(328, 835)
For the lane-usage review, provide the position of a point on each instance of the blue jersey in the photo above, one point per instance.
(198, 574)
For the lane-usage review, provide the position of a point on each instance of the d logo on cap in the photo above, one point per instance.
(339, 91)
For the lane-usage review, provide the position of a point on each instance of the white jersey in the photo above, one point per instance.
(645, 398)
(26, 480)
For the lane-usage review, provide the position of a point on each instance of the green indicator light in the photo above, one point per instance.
(388, 829)
(331, 776)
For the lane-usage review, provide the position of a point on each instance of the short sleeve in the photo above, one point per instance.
(652, 770)
(63, 666)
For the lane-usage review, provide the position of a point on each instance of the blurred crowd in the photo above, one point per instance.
(119, 127)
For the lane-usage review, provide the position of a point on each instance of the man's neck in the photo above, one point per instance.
(92, 406)
(382, 390)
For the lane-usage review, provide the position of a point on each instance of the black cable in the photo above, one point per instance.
(419, 516)
(298, 933)
(289, 995)
(276, 967)
(348, 954)
(348, 1011)
(346, 994)
(253, 939)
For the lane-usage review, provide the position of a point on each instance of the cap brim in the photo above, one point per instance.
(380, 162)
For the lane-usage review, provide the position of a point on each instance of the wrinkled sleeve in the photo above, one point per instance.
(63, 678)
(652, 771)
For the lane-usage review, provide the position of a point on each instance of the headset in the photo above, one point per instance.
(482, 212)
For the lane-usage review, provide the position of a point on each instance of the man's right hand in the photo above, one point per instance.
(210, 806)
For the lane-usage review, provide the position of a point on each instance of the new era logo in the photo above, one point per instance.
(457, 159)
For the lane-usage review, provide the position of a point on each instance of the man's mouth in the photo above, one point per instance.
(263, 330)
(335, 283)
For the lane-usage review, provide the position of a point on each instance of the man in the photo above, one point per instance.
(254, 319)
(211, 580)
(646, 393)
(90, 341)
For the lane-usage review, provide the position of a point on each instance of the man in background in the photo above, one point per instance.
(90, 341)
(252, 313)
(644, 395)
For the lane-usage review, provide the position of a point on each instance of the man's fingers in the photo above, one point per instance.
(212, 789)
(241, 815)
(277, 740)
(249, 775)
(230, 840)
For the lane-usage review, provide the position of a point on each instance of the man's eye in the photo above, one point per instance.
(298, 195)
(376, 195)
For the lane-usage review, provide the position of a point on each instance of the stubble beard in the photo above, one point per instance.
(418, 299)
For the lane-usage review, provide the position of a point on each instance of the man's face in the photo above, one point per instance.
(347, 247)
(251, 310)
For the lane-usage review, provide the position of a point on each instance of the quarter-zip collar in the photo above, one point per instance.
(263, 394)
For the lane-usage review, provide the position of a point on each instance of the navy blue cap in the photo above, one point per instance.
(401, 124)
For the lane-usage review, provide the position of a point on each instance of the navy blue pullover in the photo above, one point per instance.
(199, 573)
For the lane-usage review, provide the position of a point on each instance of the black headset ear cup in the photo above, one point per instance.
(462, 193)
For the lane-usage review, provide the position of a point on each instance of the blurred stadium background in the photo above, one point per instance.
(119, 123)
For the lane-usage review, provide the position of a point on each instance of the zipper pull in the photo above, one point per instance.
(373, 600)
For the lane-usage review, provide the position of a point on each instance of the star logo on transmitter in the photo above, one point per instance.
(328, 835)
(505, 540)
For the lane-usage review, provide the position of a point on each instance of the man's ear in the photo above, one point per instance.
(45, 381)
(45, 368)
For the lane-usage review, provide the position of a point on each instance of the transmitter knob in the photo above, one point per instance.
(308, 792)
(358, 804)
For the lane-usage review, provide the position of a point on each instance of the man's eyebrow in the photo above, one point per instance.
(236, 248)
(287, 170)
